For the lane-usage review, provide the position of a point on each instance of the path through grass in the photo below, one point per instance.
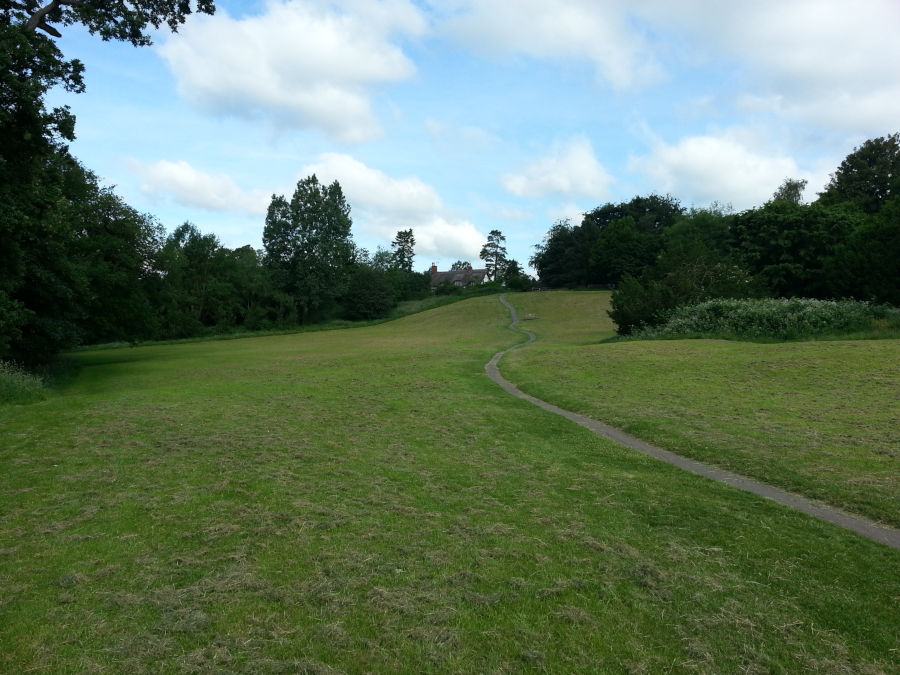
(818, 418)
(367, 500)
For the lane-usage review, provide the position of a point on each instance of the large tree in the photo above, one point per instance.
(111, 20)
(868, 177)
(403, 250)
(493, 253)
(308, 244)
(42, 229)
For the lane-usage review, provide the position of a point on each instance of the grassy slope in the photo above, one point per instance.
(819, 418)
(367, 500)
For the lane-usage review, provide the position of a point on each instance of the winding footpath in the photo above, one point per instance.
(861, 526)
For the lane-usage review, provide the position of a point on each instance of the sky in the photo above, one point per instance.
(458, 117)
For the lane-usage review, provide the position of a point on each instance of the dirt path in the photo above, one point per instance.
(861, 526)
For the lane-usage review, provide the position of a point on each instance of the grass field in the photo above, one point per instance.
(818, 418)
(367, 500)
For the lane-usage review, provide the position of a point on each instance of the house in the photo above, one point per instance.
(466, 277)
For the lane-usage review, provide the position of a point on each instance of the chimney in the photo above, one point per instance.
(433, 269)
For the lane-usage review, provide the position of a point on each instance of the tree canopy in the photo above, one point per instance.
(493, 253)
(308, 244)
(128, 22)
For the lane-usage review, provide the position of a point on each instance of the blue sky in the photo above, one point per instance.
(457, 117)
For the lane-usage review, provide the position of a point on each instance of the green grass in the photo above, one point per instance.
(367, 500)
(17, 385)
(818, 418)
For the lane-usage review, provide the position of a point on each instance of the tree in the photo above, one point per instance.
(868, 177)
(460, 265)
(791, 245)
(308, 244)
(111, 20)
(620, 249)
(867, 264)
(791, 190)
(41, 283)
(551, 256)
(575, 256)
(514, 277)
(404, 250)
(370, 294)
(494, 254)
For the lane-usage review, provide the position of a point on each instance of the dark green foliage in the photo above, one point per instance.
(868, 177)
(635, 304)
(80, 266)
(612, 240)
(791, 190)
(553, 258)
(791, 246)
(772, 318)
(129, 22)
(404, 250)
(620, 249)
(493, 253)
(308, 245)
(370, 294)
(695, 265)
(514, 278)
(867, 264)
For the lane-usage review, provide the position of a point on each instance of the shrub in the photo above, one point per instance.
(771, 318)
(18, 385)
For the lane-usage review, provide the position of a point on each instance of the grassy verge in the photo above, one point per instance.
(18, 385)
(369, 501)
(818, 418)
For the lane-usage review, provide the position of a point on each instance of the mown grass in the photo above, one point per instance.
(819, 418)
(368, 500)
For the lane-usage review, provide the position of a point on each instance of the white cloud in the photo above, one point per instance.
(729, 168)
(191, 187)
(830, 62)
(439, 238)
(382, 205)
(570, 170)
(301, 64)
(602, 33)
(404, 199)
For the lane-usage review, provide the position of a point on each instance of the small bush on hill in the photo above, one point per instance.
(771, 318)
(19, 386)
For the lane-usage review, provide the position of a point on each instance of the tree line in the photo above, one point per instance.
(91, 269)
(79, 265)
(658, 255)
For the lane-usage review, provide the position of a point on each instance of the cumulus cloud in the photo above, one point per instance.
(382, 205)
(728, 168)
(571, 170)
(823, 61)
(568, 30)
(189, 186)
(300, 64)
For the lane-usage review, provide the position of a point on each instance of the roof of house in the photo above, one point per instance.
(459, 277)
